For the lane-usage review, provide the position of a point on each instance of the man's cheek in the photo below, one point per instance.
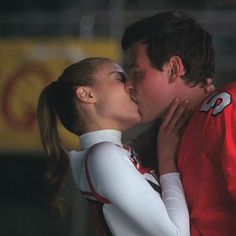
(148, 91)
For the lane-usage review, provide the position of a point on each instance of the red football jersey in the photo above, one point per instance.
(207, 162)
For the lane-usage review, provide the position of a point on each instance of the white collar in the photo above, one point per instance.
(108, 135)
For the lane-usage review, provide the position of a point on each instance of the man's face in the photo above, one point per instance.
(149, 87)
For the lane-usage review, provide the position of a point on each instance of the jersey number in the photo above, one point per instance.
(217, 102)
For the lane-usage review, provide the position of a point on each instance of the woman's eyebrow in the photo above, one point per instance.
(117, 72)
(121, 73)
(113, 72)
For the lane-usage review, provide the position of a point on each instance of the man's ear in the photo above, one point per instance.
(177, 69)
(85, 94)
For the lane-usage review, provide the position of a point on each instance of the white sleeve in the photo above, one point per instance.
(115, 178)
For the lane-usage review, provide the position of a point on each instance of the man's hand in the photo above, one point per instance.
(170, 132)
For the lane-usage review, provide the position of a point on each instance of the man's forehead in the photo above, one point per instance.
(134, 55)
(131, 59)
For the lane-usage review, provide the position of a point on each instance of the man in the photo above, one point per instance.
(169, 56)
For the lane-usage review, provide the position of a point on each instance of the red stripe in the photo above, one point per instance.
(87, 193)
(135, 162)
(101, 227)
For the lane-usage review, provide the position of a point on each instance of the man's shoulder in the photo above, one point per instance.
(229, 90)
(221, 101)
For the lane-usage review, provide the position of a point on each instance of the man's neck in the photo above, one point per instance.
(196, 95)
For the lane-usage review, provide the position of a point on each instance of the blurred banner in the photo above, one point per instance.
(26, 67)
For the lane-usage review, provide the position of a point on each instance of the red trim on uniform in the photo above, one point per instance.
(135, 160)
(101, 228)
(87, 193)
(127, 147)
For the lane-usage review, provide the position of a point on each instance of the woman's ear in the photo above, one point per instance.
(177, 69)
(85, 94)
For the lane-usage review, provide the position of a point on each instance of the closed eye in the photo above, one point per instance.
(122, 77)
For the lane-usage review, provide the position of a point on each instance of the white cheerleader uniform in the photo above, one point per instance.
(126, 199)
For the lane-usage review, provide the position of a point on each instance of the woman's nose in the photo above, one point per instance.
(129, 86)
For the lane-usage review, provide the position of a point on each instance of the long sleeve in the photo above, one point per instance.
(135, 207)
(174, 200)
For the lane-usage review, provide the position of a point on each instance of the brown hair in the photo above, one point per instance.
(173, 33)
(58, 100)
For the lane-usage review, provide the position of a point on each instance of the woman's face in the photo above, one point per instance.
(114, 104)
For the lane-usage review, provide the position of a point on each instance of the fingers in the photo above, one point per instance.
(171, 110)
(177, 118)
(175, 114)
(209, 87)
(182, 122)
(209, 81)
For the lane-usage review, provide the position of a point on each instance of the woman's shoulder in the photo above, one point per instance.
(105, 150)
(107, 154)
(105, 146)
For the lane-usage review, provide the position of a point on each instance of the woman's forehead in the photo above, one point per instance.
(110, 67)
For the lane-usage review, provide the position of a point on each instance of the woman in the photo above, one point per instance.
(124, 198)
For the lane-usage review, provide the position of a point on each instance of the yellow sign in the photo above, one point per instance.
(26, 67)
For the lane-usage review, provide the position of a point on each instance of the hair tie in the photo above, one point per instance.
(52, 90)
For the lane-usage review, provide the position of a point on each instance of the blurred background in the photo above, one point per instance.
(38, 39)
